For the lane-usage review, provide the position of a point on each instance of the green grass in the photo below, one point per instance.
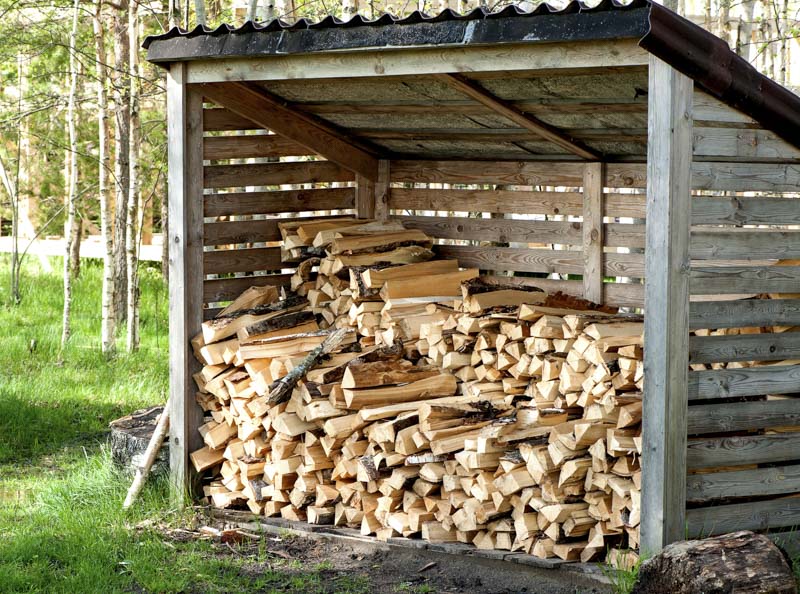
(61, 521)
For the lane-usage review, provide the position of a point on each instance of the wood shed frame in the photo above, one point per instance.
(715, 176)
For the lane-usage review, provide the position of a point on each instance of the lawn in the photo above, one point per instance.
(60, 497)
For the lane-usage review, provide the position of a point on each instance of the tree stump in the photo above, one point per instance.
(739, 562)
(130, 436)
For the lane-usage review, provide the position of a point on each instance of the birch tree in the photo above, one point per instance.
(72, 188)
(132, 225)
(108, 322)
(121, 86)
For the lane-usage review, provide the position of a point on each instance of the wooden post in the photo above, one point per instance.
(372, 198)
(666, 358)
(593, 183)
(185, 155)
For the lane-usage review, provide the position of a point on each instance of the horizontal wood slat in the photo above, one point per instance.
(727, 280)
(499, 201)
(742, 143)
(242, 260)
(744, 313)
(753, 381)
(241, 232)
(774, 513)
(615, 294)
(519, 230)
(539, 260)
(736, 451)
(744, 347)
(744, 244)
(227, 289)
(273, 174)
(743, 483)
(745, 211)
(216, 148)
(278, 201)
(758, 177)
(519, 173)
(743, 416)
(222, 120)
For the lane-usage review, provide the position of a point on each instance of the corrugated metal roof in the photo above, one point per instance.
(416, 17)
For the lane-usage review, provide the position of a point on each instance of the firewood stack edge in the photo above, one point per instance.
(453, 410)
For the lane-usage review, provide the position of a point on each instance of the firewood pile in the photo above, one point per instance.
(449, 409)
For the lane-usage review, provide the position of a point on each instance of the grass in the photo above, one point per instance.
(60, 497)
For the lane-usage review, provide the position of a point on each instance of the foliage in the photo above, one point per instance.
(622, 579)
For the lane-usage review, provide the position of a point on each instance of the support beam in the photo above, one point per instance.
(271, 112)
(593, 183)
(383, 190)
(504, 108)
(185, 155)
(372, 197)
(666, 358)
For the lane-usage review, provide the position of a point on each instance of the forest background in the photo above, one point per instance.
(83, 150)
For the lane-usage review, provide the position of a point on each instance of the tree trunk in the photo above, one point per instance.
(75, 243)
(132, 228)
(72, 189)
(107, 342)
(174, 13)
(744, 42)
(736, 562)
(252, 9)
(784, 33)
(121, 162)
(725, 20)
(200, 11)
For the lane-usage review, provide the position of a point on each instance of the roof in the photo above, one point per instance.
(702, 56)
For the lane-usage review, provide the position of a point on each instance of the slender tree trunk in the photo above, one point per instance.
(744, 45)
(349, 9)
(783, 50)
(107, 342)
(72, 193)
(132, 228)
(200, 11)
(174, 13)
(75, 243)
(252, 9)
(725, 20)
(121, 162)
(267, 11)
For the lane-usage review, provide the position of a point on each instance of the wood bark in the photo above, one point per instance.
(737, 562)
(72, 189)
(153, 448)
(104, 161)
(200, 12)
(121, 152)
(132, 226)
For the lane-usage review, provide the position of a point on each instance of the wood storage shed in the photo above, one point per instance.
(618, 153)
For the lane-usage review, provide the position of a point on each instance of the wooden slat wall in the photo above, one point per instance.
(525, 219)
(744, 417)
(252, 181)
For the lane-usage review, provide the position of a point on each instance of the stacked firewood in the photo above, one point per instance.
(449, 409)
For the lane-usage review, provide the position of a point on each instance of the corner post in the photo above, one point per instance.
(185, 176)
(666, 329)
(593, 184)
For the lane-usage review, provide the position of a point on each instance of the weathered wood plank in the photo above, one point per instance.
(669, 174)
(383, 189)
(774, 513)
(726, 280)
(440, 60)
(741, 210)
(753, 381)
(592, 227)
(756, 177)
(539, 260)
(242, 260)
(513, 201)
(500, 230)
(744, 244)
(758, 482)
(272, 113)
(518, 173)
(228, 232)
(736, 451)
(227, 289)
(616, 294)
(738, 142)
(710, 109)
(274, 174)
(218, 148)
(365, 198)
(743, 416)
(744, 313)
(279, 201)
(218, 119)
(185, 156)
(745, 347)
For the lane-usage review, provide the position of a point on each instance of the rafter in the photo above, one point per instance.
(272, 112)
(509, 111)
